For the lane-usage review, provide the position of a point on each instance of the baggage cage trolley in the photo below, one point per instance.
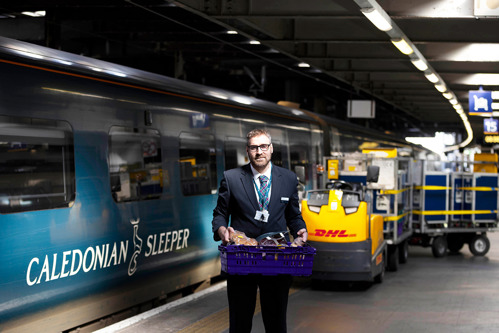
(456, 206)
(391, 195)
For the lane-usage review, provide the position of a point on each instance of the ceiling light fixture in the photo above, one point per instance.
(479, 79)
(40, 13)
(403, 46)
(303, 65)
(382, 22)
(432, 77)
(441, 87)
(254, 42)
(420, 64)
(371, 9)
(231, 32)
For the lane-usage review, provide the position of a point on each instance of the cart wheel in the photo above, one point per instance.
(479, 245)
(439, 246)
(393, 258)
(403, 252)
(455, 244)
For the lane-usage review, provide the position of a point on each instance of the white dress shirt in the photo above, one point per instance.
(256, 179)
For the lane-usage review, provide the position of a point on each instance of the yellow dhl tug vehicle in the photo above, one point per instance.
(348, 238)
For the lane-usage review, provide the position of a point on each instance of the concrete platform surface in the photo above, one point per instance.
(458, 293)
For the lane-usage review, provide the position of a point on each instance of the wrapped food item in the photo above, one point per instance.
(240, 238)
(276, 239)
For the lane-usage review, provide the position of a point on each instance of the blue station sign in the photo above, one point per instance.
(200, 120)
(491, 126)
(480, 102)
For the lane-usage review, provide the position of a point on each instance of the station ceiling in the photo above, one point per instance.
(349, 57)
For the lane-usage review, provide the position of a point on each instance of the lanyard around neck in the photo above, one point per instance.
(260, 197)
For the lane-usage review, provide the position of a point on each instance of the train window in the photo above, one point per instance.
(198, 168)
(277, 154)
(299, 155)
(334, 139)
(36, 165)
(135, 164)
(235, 153)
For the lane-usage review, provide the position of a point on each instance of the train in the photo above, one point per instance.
(109, 177)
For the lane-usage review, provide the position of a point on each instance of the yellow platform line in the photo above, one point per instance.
(217, 322)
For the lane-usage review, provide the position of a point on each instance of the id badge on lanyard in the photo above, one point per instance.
(262, 215)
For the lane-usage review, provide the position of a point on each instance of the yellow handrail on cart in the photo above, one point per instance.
(393, 191)
(479, 188)
(432, 188)
(453, 212)
(440, 188)
(394, 218)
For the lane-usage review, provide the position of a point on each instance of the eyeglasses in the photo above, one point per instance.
(264, 147)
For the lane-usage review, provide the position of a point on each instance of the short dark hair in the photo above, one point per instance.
(257, 132)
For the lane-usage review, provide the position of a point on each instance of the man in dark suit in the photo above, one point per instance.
(259, 198)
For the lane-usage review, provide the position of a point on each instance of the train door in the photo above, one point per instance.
(135, 164)
(197, 160)
(300, 155)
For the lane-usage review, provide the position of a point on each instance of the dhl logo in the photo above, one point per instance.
(379, 259)
(331, 233)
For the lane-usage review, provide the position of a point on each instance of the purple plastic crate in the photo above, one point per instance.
(267, 260)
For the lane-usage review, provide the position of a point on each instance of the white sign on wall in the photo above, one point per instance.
(361, 108)
(486, 8)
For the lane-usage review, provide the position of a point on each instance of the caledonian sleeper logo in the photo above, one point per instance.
(137, 245)
(69, 262)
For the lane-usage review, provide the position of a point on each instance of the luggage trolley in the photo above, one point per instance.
(392, 200)
(452, 208)
(391, 195)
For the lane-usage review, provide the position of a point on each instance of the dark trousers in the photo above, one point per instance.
(242, 291)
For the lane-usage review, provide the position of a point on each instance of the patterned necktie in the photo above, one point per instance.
(264, 192)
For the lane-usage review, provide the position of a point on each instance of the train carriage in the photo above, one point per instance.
(109, 177)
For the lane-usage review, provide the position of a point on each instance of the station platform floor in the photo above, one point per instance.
(458, 293)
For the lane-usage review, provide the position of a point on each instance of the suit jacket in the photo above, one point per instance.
(237, 200)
